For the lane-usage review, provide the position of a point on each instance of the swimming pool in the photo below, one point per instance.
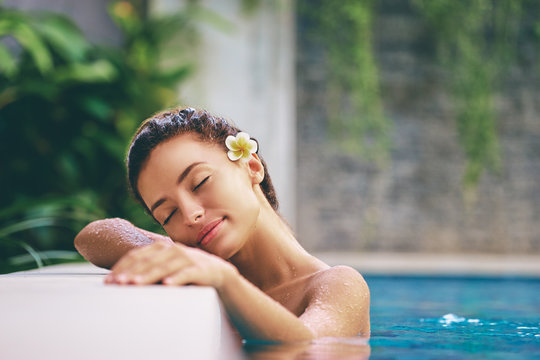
(449, 317)
(455, 317)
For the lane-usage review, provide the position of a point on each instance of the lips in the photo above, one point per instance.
(209, 231)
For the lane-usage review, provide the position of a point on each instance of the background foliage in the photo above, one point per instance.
(476, 44)
(67, 111)
(475, 41)
(68, 107)
(353, 102)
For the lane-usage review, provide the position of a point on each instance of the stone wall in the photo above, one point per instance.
(416, 203)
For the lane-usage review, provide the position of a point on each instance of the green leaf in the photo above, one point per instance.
(32, 253)
(34, 45)
(64, 37)
(9, 20)
(98, 71)
(7, 63)
(97, 107)
(26, 225)
(173, 76)
(44, 256)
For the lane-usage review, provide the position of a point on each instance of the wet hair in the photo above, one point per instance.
(171, 123)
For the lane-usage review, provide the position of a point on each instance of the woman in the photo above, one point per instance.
(204, 182)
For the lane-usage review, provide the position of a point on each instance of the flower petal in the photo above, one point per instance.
(242, 139)
(234, 155)
(231, 143)
(252, 146)
(241, 146)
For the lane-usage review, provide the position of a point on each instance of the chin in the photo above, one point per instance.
(230, 242)
(224, 249)
(223, 252)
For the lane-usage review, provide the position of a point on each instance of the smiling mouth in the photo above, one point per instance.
(207, 232)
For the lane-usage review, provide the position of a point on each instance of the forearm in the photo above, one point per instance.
(103, 242)
(257, 316)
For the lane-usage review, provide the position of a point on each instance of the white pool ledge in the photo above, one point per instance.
(437, 264)
(67, 312)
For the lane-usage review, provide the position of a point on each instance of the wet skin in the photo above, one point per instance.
(226, 235)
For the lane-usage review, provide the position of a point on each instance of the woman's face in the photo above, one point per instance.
(200, 197)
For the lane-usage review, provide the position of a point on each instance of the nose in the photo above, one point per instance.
(193, 212)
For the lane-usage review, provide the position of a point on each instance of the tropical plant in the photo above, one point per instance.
(67, 110)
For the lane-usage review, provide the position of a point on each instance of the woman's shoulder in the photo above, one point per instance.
(339, 271)
(342, 293)
(337, 280)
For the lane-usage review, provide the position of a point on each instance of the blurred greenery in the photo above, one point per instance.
(354, 107)
(68, 108)
(476, 42)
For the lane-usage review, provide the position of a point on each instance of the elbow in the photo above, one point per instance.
(96, 242)
(87, 244)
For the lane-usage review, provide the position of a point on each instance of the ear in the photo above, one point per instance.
(255, 169)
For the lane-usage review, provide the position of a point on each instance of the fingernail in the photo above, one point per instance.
(137, 279)
(121, 278)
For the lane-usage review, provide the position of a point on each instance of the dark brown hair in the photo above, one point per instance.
(171, 123)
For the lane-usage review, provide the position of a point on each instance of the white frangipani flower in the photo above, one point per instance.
(240, 146)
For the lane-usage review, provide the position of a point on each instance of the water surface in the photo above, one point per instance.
(429, 317)
(455, 317)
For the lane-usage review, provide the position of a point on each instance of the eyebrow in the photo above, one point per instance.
(181, 178)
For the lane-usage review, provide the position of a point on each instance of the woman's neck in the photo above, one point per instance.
(272, 256)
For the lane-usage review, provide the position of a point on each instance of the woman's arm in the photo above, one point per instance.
(333, 308)
(104, 242)
(337, 306)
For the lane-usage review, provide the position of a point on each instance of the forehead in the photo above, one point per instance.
(182, 148)
(172, 157)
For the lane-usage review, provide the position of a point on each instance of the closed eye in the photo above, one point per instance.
(201, 183)
(169, 217)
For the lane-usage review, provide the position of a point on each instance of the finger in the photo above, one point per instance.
(170, 266)
(135, 255)
(152, 261)
(188, 275)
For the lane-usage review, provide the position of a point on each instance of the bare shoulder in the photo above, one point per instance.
(341, 294)
(340, 271)
(340, 279)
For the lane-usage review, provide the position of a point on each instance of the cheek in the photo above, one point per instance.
(179, 232)
(177, 235)
(241, 195)
(238, 197)
(246, 210)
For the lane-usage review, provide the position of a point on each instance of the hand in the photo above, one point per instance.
(172, 264)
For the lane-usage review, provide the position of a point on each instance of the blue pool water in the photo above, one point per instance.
(455, 317)
(424, 317)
